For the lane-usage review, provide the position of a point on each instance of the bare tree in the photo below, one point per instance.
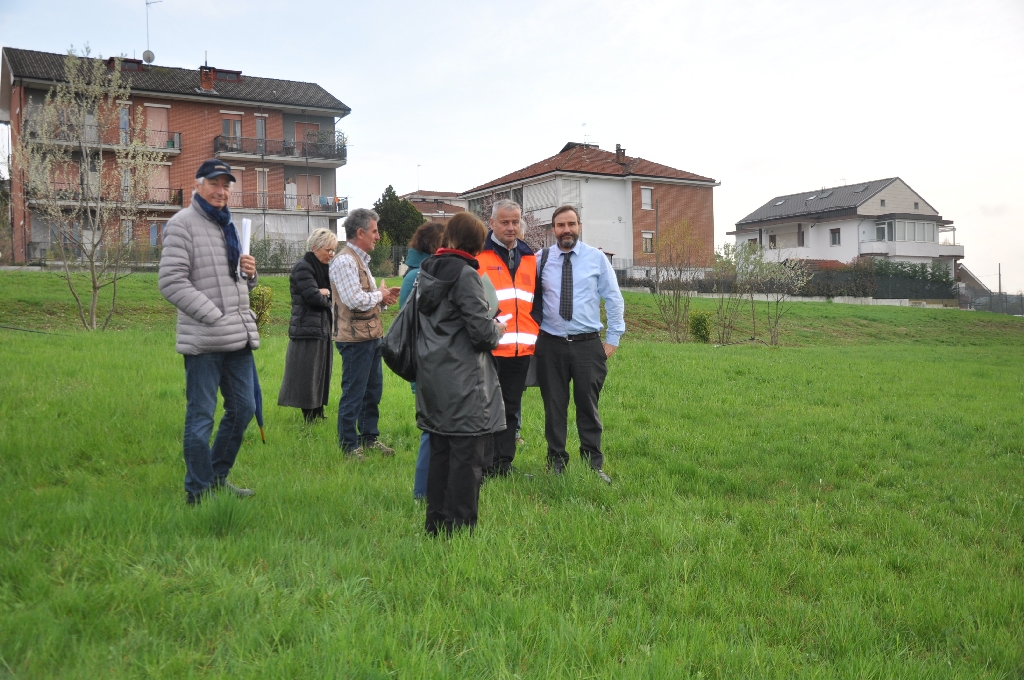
(6, 231)
(750, 273)
(84, 163)
(534, 233)
(780, 282)
(675, 278)
(727, 296)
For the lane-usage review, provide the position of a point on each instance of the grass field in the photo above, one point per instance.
(848, 505)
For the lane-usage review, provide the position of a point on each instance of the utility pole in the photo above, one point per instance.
(657, 247)
(1000, 279)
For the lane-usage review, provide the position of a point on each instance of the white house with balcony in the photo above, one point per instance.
(882, 218)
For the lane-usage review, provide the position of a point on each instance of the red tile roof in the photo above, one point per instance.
(439, 194)
(429, 207)
(590, 159)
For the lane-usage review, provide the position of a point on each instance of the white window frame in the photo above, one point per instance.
(835, 237)
(649, 205)
(647, 237)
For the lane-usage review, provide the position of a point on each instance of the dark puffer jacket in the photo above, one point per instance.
(311, 310)
(457, 390)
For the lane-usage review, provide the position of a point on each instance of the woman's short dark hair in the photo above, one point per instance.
(427, 238)
(465, 232)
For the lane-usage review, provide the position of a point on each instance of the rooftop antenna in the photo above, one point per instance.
(418, 166)
(148, 3)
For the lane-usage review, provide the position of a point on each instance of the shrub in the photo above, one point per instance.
(380, 257)
(700, 326)
(261, 300)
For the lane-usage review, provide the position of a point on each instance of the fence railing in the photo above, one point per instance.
(75, 192)
(822, 284)
(255, 146)
(265, 200)
(1000, 303)
(109, 136)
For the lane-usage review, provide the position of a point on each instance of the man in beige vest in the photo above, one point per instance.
(357, 335)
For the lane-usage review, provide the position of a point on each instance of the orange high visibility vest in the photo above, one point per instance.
(515, 301)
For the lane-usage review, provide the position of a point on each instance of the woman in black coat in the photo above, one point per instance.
(307, 366)
(458, 398)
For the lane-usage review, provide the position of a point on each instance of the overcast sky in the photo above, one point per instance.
(766, 97)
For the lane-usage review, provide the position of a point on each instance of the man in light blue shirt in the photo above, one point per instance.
(572, 280)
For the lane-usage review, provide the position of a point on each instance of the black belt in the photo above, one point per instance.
(579, 337)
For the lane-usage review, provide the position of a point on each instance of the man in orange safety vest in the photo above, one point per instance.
(511, 266)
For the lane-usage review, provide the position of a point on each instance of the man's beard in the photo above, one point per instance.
(568, 241)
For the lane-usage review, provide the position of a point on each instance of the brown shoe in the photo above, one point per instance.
(356, 453)
(378, 445)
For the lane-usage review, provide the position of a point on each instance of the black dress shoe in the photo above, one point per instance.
(557, 468)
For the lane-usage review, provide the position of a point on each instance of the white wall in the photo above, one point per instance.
(817, 239)
(607, 218)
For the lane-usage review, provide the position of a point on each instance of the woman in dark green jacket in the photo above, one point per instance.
(424, 243)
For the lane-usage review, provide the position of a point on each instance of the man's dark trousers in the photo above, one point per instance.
(231, 372)
(585, 364)
(453, 481)
(512, 378)
(362, 386)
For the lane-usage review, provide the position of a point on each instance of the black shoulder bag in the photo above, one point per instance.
(398, 348)
(538, 315)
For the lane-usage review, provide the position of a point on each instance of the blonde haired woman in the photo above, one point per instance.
(307, 366)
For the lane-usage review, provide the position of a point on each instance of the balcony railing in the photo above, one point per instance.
(73, 193)
(263, 200)
(111, 136)
(253, 146)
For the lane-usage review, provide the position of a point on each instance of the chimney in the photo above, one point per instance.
(620, 154)
(207, 74)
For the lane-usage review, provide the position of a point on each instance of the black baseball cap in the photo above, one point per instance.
(214, 168)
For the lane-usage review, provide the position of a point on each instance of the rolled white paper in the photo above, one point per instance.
(246, 235)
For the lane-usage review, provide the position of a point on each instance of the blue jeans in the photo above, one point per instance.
(204, 373)
(419, 486)
(362, 386)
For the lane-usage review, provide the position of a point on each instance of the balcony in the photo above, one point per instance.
(263, 200)
(153, 198)
(93, 135)
(910, 249)
(324, 153)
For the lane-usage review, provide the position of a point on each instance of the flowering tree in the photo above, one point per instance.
(85, 174)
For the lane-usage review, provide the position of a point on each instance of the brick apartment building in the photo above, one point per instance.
(616, 196)
(278, 136)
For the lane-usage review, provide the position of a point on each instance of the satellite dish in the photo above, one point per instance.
(148, 57)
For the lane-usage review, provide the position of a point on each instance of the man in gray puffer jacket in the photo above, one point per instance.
(204, 275)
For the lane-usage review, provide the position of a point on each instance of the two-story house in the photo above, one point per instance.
(278, 136)
(882, 218)
(617, 197)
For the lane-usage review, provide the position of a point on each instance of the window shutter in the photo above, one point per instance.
(570, 192)
(538, 196)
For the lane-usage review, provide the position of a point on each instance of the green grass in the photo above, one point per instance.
(846, 506)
